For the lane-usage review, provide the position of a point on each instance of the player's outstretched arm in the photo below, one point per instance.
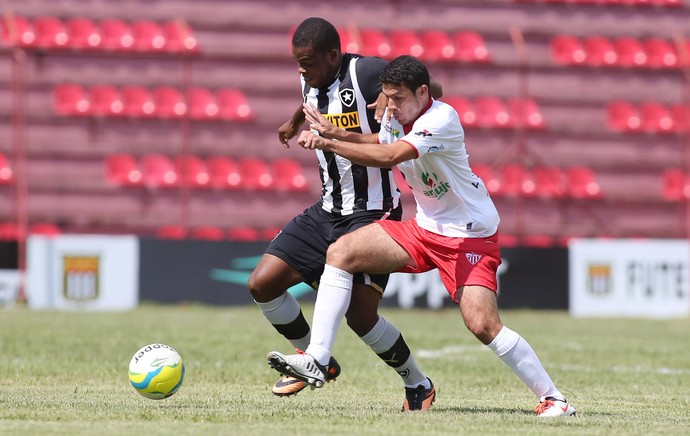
(319, 123)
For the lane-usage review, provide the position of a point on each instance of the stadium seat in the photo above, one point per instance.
(83, 34)
(675, 185)
(106, 100)
(233, 105)
(681, 117)
(599, 51)
(508, 240)
(6, 172)
(622, 116)
(630, 52)
(538, 241)
(405, 42)
(256, 174)
(179, 37)
(168, 102)
(116, 35)
(44, 229)
(568, 50)
(655, 117)
(269, 233)
(244, 234)
(660, 53)
(437, 46)
(18, 31)
(516, 180)
(375, 43)
(207, 233)
(465, 109)
(348, 41)
(524, 112)
(148, 36)
(288, 175)
(172, 232)
(491, 181)
(122, 169)
(491, 112)
(70, 99)
(9, 231)
(582, 183)
(50, 32)
(137, 102)
(550, 182)
(224, 173)
(158, 171)
(201, 104)
(470, 47)
(192, 171)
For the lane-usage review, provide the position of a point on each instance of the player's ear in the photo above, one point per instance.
(422, 91)
(333, 55)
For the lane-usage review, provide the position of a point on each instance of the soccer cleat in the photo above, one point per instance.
(301, 366)
(551, 406)
(419, 398)
(288, 385)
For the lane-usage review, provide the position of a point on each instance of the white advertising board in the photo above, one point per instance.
(83, 272)
(629, 278)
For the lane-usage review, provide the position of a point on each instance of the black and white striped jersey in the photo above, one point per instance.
(348, 187)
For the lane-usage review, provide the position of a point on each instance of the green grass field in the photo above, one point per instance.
(66, 373)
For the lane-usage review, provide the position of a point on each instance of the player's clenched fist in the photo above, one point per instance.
(310, 141)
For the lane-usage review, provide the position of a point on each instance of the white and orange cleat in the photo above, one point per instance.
(551, 407)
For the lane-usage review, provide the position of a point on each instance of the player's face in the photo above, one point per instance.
(317, 68)
(405, 105)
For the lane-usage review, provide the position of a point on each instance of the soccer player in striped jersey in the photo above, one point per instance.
(341, 86)
(455, 230)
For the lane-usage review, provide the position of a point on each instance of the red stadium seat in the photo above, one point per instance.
(348, 42)
(83, 34)
(122, 170)
(256, 174)
(516, 181)
(660, 53)
(224, 173)
(630, 52)
(116, 34)
(470, 47)
(45, 229)
(244, 234)
(106, 100)
(437, 46)
(622, 116)
(525, 112)
(655, 117)
(158, 171)
(465, 109)
(148, 36)
(9, 231)
(172, 232)
(568, 50)
(168, 102)
(582, 183)
(137, 102)
(681, 117)
(208, 233)
(405, 42)
(269, 233)
(492, 112)
(550, 182)
(192, 171)
(675, 185)
(70, 99)
(201, 104)
(491, 181)
(233, 105)
(50, 32)
(179, 37)
(539, 241)
(288, 175)
(6, 173)
(599, 51)
(375, 43)
(18, 31)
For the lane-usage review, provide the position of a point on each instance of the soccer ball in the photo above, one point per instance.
(156, 371)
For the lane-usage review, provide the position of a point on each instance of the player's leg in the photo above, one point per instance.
(480, 312)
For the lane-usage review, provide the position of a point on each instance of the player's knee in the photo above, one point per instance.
(484, 329)
(340, 255)
(259, 287)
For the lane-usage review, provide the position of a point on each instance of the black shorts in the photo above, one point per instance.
(303, 242)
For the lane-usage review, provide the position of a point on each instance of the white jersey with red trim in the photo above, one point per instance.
(451, 199)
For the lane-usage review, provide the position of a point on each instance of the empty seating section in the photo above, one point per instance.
(647, 116)
(162, 101)
(635, 3)
(620, 51)
(108, 34)
(497, 113)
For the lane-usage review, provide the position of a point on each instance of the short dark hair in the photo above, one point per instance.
(317, 33)
(405, 71)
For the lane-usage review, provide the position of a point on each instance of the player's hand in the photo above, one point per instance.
(318, 122)
(286, 132)
(311, 141)
(380, 107)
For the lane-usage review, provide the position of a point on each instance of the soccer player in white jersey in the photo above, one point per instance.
(454, 230)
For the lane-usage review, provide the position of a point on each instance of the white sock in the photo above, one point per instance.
(381, 338)
(284, 310)
(332, 301)
(521, 358)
